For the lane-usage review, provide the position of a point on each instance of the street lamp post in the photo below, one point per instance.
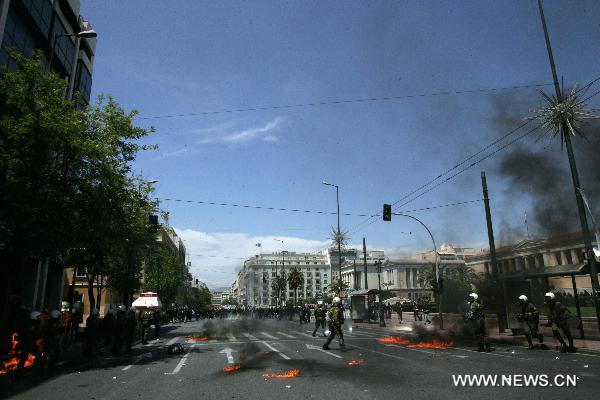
(82, 35)
(381, 319)
(282, 261)
(339, 237)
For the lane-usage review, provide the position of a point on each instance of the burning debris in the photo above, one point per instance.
(293, 373)
(394, 340)
(353, 363)
(203, 338)
(431, 344)
(434, 344)
(12, 363)
(232, 368)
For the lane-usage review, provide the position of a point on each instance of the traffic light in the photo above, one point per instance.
(387, 212)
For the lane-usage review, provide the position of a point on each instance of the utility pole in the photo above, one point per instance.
(488, 217)
(381, 318)
(365, 263)
(355, 284)
(587, 240)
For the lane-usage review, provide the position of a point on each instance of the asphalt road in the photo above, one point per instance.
(388, 371)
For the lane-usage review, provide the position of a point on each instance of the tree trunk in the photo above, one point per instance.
(90, 280)
(99, 288)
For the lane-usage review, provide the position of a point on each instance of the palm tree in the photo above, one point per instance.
(278, 286)
(295, 279)
(338, 286)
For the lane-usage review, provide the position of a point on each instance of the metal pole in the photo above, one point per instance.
(365, 263)
(381, 319)
(339, 239)
(574, 175)
(437, 274)
(502, 317)
(355, 285)
(580, 325)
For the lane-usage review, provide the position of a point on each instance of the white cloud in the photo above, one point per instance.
(265, 132)
(217, 256)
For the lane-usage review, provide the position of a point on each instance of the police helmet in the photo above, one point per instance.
(336, 300)
(523, 298)
(473, 297)
(35, 315)
(549, 296)
(320, 302)
(55, 314)
(122, 308)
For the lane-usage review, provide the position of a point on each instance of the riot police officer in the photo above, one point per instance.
(336, 320)
(530, 320)
(476, 316)
(319, 317)
(558, 319)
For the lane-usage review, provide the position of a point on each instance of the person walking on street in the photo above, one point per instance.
(530, 320)
(130, 328)
(558, 319)
(336, 320)
(476, 317)
(146, 318)
(320, 313)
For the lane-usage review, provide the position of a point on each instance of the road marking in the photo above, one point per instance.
(181, 363)
(268, 336)
(275, 350)
(322, 350)
(304, 334)
(172, 341)
(286, 335)
(249, 336)
(493, 354)
(382, 353)
(230, 337)
(145, 355)
(228, 352)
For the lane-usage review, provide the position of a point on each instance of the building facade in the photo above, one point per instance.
(544, 259)
(27, 25)
(253, 287)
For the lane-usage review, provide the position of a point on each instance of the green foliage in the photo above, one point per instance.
(338, 286)
(295, 279)
(163, 273)
(196, 297)
(230, 302)
(386, 294)
(67, 190)
(278, 285)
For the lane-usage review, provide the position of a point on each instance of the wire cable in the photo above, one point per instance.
(334, 102)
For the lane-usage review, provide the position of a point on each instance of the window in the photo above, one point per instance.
(80, 272)
(41, 11)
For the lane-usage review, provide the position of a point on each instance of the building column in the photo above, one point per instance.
(3, 15)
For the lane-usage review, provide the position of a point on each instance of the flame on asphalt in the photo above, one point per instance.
(434, 344)
(290, 374)
(198, 337)
(232, 367)
(394, 339)
(353, 363)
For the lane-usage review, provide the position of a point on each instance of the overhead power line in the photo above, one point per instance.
(307, 211)
(334, 102)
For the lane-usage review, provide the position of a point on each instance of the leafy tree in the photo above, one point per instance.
(278, 285)
(66, 180)
(295, 280)
(338, 286)
(163, 272)
(230, 302)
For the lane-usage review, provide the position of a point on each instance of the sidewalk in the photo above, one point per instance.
(395, 327)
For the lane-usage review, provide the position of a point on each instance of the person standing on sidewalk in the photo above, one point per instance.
(398, 309)
(319, 317)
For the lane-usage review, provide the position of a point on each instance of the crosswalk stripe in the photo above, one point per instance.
(286, 335)
(268, 336)
(230, 337)
(249, 336)
(304, 334)
(275, 350)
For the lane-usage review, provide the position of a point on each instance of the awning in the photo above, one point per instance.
(147, 300)
(548, 272)
(363, 292)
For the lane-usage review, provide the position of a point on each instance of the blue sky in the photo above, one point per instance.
(182, 57)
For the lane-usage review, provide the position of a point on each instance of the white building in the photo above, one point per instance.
(350, 255)
(253, 285)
